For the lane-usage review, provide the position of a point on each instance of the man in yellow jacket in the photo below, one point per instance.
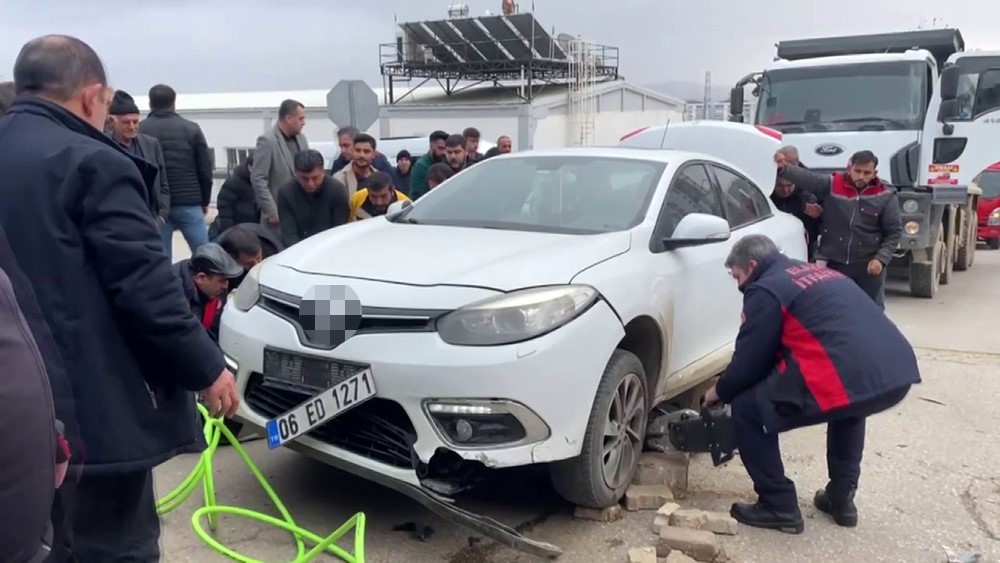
(374, 195)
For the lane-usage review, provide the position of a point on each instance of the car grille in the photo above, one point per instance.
(378, 429)
(373, 319)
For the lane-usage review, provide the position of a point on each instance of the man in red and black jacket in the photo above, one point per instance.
(812, 349)
(205, 279)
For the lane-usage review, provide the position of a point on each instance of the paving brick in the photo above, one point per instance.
(678, 557)
(699, 544)
(666, 468)
(647, 497)
(609, 514)
(642, 555)
(662, 517)
(716, 522)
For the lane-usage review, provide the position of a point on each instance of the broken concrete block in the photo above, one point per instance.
(678, 557)
(642, 555)
(699, 544)
(664, 468)
(716, 522)
(609, 514)
(647, 497)
(662, 517)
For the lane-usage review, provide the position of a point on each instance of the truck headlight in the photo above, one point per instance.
(248, 293)
(911, 228)
(994, 219)
(515, 317)
(911, 206)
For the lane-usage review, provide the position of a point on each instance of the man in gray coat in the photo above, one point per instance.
(125, 131)
(273, 159)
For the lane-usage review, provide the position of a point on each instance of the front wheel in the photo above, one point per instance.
(600, 475)
(993, 243)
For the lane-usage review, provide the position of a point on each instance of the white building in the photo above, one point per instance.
(718, 111)
(555, 117)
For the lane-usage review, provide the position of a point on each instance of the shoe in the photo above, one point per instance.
(760, 515)
(843, 510)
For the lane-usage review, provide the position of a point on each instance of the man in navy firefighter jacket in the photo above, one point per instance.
(812, 349)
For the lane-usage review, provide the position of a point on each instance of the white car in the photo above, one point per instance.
(531, 310)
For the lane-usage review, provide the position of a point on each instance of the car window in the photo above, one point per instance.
(557, 194)
(692, 191)
(744, 203)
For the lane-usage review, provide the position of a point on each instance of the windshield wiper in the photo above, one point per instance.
(886, 120)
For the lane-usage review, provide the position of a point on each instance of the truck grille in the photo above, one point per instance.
(378, 429)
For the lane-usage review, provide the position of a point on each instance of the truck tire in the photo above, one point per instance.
(589, 479)
(925, 277)
(993, 243)
(967, 250)
(949, 262)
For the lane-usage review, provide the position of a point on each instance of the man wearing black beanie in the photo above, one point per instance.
(125, 131)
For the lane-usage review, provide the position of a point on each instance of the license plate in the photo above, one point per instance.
(309, 373)
(322, 408)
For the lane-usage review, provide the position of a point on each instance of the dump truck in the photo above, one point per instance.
(927, 108)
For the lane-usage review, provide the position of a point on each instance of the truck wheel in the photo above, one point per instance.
(947, 263)
(994, 243)
(966, 252)
(925, 277)
(599, 476)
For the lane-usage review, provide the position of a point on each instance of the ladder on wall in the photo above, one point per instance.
(582, 111)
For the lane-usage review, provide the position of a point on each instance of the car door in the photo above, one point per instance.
(700, 289)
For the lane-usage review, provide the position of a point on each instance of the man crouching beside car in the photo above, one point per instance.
(813, 348)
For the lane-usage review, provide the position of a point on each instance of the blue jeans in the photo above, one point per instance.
(191, 221)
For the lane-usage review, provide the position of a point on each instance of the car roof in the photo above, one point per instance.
(634, 153)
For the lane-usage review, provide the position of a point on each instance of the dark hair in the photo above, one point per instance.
(455, 141)
(471, 133)
(365, 138)
(162, 97)
(751, 247)
(864, 157)
(349, 130)
(439, 172)
(377, 182)
(308, 160)
(57, 66)
(7, 97)
(438, 136)
(288, 107)
(239, 239)
(404, 154)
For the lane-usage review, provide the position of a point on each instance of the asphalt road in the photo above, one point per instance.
(930, 477)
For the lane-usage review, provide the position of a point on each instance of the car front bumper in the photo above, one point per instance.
(552, 379)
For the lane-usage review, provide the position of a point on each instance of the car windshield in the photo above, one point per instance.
(548, 194)
(858, 97)
(989, 182)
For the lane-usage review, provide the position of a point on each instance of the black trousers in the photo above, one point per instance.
(113, 520)
(874, 286)
(761, 453)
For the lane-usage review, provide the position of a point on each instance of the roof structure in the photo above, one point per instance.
(552, 95)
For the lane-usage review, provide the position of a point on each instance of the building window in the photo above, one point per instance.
(236, 156)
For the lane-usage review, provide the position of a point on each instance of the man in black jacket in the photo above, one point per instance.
(249, 244)
(74, 206)
(313, 202)
(237, 200)
(812, 349)
(125, 132)
(205, 278)
(861, 227)
(189, 168)
(802, 204)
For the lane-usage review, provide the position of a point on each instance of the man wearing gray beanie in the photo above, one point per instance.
(125, 131)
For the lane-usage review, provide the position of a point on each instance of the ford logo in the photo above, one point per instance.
(829, 150)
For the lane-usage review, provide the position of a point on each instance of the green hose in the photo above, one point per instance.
(215, 428)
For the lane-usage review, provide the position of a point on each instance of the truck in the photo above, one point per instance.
(927, 108)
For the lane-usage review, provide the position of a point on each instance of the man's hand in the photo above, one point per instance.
(813, 210)
(779, 159)
(273, 219)
(711, 398)
(875, 267)
(221, 397)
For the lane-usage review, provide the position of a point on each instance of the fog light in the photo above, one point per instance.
(476, 424)
(463, 430)
(911, 206)
(911, 228)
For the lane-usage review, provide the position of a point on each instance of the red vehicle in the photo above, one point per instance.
(989, 206)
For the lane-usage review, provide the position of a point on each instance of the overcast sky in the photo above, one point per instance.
(237, 45)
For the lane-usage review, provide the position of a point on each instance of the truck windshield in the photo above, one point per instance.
(989, 182)
(972, 104)
(857, 97)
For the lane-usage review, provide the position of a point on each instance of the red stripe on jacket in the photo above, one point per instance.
(816, 367)
(840, 188)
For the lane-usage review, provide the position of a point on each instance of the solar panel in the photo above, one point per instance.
(478, 36)
(423, 39)
(505, 36)
(448, 35)
(536, 35)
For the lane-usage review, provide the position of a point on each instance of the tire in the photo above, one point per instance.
(948, 265)
(925, 278)
(966, 253)
(582, 480)
(993, 243)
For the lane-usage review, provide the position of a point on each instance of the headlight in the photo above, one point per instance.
(911, 228)
(994, 218)
(515, 317)
(911, 206)
(248, 293)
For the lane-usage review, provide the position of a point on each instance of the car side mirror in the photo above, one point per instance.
(396, 209)
(697, 229)
(948, 111)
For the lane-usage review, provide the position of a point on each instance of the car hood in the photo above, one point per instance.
(428, 255)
